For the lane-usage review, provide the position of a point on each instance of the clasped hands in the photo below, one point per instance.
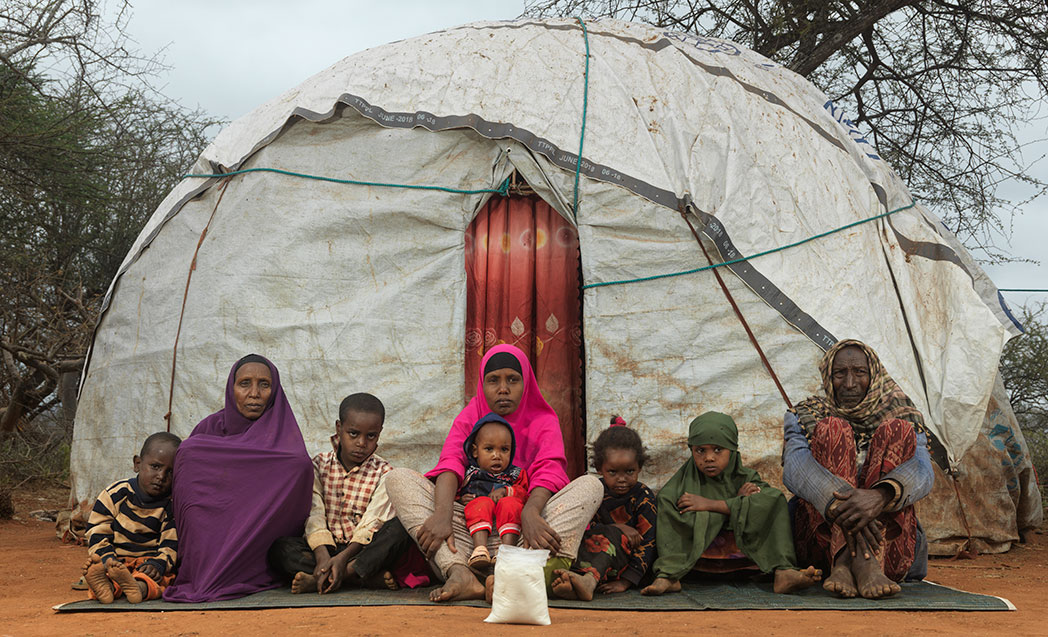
(856, 512)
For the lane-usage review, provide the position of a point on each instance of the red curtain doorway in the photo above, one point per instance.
(522, 277)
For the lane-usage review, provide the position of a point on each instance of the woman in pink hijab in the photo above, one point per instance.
(556, 513)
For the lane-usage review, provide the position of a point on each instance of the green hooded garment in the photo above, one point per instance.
(761, 522)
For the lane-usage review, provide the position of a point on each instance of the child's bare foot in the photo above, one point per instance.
(91, 559)
(841, 581)
(99, 583)
(461, 584)
(489, 588)
(789, 580)
(570, 585)
(660, 586)
(117, 572)
(383, 580)
(561, 584)
(584, 585)
(870, 579)
(303, 583)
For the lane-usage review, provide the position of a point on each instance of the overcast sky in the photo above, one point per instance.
(229, 56)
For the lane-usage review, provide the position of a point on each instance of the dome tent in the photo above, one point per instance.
(351, 285)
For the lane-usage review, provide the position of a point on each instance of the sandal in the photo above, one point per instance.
(480, 558)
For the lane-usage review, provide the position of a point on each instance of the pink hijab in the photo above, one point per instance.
(540, 444)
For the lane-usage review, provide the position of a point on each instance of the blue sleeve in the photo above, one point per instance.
(802, 474)
(915, 476)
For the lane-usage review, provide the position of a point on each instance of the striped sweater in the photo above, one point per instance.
(125, 522)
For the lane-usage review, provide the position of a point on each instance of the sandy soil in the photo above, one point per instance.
(36, 571)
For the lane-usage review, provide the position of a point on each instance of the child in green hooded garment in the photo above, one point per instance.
(711, 493)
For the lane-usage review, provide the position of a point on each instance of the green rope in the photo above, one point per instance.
(582, 134)
(501, 190)
(1022, 290)
(752, 256)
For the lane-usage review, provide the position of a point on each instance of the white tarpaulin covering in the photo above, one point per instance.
(362, 288)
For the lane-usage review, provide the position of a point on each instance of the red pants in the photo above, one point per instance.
(481, 510)
(833, 446)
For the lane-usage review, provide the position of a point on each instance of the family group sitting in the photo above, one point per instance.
(238, 507)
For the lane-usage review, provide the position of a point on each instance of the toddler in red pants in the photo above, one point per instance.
(494, 489)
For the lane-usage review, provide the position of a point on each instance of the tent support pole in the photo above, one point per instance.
(738, 312)
(185, 296)
(966, 550)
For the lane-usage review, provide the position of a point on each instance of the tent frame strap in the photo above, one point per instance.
(738, 312)
(185, 296)
(966, 550)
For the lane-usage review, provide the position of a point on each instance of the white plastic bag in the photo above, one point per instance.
(520, 587)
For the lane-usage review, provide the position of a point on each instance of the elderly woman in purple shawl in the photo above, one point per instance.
(242, 479)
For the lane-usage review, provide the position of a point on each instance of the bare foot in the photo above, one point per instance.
(117, 572)
(381, 581)
(660, 586)
(303, 583)
(584, 585)
(99, 583)
(91, 559)
(461, 584)
(561, 584)
(489, 588)
(871, 580)
(841, 581)
(789, 580)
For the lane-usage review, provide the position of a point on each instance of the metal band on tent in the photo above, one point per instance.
(738, 312)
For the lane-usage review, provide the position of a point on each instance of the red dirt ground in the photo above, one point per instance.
(36, 571)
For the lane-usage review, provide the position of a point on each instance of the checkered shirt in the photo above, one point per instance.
(347, 493)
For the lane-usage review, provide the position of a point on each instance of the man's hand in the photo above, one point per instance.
(866, 540)
(748, 489)
(436, 529)
(858, 507)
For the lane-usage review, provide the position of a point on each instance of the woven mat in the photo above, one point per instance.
(695, 596)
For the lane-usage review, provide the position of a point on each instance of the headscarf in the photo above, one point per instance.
(481, 481)
(490, 417)
(239, 484)
(760, 521)
(884, 400)
(714, 428)
(536, 430)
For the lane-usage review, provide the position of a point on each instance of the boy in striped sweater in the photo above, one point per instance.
(131, 537)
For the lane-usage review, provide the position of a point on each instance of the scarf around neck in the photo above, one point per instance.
(884, 400)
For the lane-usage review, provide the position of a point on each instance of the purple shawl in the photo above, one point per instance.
(238, 486)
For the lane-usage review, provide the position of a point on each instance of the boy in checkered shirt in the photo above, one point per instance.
(350, 505)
